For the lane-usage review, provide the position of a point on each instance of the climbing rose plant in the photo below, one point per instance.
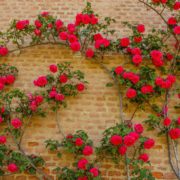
(150, 75)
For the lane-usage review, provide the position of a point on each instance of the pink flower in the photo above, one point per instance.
(16, 123)
(12, 168)
(89, 53)
(63, 35)
(137, 59)
(45, 14)
(59, 97)
(149, 143)
(116, 140)
(20, 25)
(58, 24)
(88, 150)
(146, 89)
(63, 78)
(38, 99)
(138, 128)
(53, 68)
(71, 28)
(167, 122)
(79, 142)
(38, 24)
(75, 46)
(140, 28)
(72, 38)
(80, 87)
(52, 94)
(124, 42)
(122, 150)
(41, 81)
(174, 133)
(129, 140)
(94, 172)
(37, 32)
(118, 70)
(131, 93)
(177, 30)
(144, 157)
(3, 51)
(2, 139)
(82, 163)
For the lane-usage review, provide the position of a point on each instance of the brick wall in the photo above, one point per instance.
(98, 107)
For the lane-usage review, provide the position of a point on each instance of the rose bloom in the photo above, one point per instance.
(89, 53)
(58, 24)
(174, 133)
(45, 14)
(131, 93)
(20, 25)
(94, 20)
(167, 122)
(72, 38)
(135, 51)
(1, 86)
(41, 81)
(131, 76)
(138, 128)
(158, 63)
(63, 78)
(137, 59)
(3, 51)
(135, 135)
(16, 123)
(69, 136)
(52, 94)
(82, 163)
(116, 140)
(50, 25)
(37, 32)
(2, 139)
(137, 39)
(53, 68)
(38, 99)
(172, 21)
(78, 19)
(177, 30)
(63, 35)
(94, 172)
(1, 119)
(140, 28)
(171, 78)
(87, 151)
(10, 79)
(71, 28)
(59, 97)
(97, 36)
(86, 19)
(83, 178)
(178, 121)
(79, 142)
(129, 140)
(80, 87)
(149, 143)
(75, 46)
(124, 42)
(122, 150)
(147, 89)
(176, 6)
(102, 43)
(118, 70)
(169, 56)
(156, 55)
(12, 168)
(38, 24)
(144, 157)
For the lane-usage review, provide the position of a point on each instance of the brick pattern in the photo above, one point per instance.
(98, 107)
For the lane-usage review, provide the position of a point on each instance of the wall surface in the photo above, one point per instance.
(95, 109)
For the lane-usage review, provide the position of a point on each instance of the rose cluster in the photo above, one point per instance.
(6, 80)
(35, 101)
(165, 83)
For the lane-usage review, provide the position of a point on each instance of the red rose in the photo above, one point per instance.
(124, 42)
(85, 19)
(83, 178)
(20, 25)
(45, 14)
(131, 76)
(131, 93)
(80, 87)
(63, 78)
(53, 68)
(88, 150)
(178, 121)
(2, 110)
(10, 79)
(167, 122)
(1, 119)
(172, 21)
(12, 168)
(3, 51)
(37, 32)
(38, 99)
(94, 172)
(158, 81)
(137, 59)
(171, 78)
(138, 128)
(177, 30)
(63, 35)
(78, 19)
(75, 46)
(169, 56)
(156, 55)
(141, 28)
(94, 20)
(59, 97)
(1, 86)
(2, 139)
(149, 143)
(102, 43)
(58, 24)
(97, 37)
(72, 38)
(79, 142)
(176, 6)
(174, 133)
(146, 89)
(33, 106)
(41, 81)
(71, 28)
(69, 136)
(16, 123)
(137, 39)
(82, 163)
(164, 1)
(116, 140)
(89, 53)
(38, 24)
(129, 140)
(119, 70)
(122, 150)
(135, 51)
(52, 94)
(144, 157)
(50, 25)
(135, 135)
